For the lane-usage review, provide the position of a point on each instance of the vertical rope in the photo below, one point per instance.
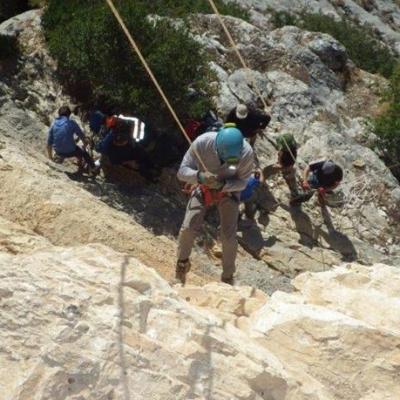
(254, 83)
(152, 77)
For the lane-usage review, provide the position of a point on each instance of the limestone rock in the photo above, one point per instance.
(89, 323)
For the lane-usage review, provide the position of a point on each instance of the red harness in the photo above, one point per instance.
(211, 196)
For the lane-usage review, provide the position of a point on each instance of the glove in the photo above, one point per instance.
(305, 185)
(210, 180)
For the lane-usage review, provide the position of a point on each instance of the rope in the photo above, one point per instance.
(254, 83)
(153, 78)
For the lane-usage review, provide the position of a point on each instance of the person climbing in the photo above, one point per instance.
(122, 144)
(61, 139)
(229, 161)
(322, 176)
(248, 120)
(287, 155)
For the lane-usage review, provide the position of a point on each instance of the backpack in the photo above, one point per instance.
(192, 128)
(252, 184)
(208, 122)
(96, 121)
(286, 140)
(121, 131)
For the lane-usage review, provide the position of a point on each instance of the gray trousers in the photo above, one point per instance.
(228, 209)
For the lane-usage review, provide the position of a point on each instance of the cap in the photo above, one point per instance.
(241, 111)
(328, 167)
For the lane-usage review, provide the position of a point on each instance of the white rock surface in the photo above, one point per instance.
(382, 15)
(89, 323)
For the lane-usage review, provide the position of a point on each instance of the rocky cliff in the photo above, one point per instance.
(87, 322)
(84, 315)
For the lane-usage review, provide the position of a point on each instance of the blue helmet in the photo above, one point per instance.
(229, 143)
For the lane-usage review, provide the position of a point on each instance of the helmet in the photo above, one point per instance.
(229, 142)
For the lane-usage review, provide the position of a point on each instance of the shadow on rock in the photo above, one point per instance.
(251, 239)
(337, 240)
(304, 226)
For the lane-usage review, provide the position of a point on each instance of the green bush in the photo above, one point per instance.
(8, 47)
(181, 8)
(362, 46)
(387, 126)
(97, 62)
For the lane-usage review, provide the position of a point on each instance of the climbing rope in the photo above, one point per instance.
(254, 83)
(152, 77)
(157, 85)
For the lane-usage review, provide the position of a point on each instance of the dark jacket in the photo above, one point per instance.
(255, 120)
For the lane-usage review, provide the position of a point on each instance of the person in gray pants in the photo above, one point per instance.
(229, 163)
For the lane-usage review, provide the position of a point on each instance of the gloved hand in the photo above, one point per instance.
(210, 180)
(305, 185)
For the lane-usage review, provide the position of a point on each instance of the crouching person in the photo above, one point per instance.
(287, 155)
(61, 139)
(228, 160)
(123, 145)
(322, 176)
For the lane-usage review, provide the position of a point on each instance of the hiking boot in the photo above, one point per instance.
(182, 268)
(301, 198)
(94, 171)
(229, 281)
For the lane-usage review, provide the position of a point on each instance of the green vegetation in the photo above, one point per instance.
(98, 65)
(387, 126)
(181, 8)
(362, 46)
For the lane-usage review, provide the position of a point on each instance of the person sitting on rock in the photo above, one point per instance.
(122, 145)
(249, 121)
(287, 154)
(322, 176)
(61, 139)
(229, 161)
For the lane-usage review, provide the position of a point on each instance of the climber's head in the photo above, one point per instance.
(229, 144)
(64, 111)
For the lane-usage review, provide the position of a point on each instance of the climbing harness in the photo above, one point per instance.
(210, 196)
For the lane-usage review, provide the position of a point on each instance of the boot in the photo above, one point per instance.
(182, 268)
(301, 198)
(229, 281)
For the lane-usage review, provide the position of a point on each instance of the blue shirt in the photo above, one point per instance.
(61, 135)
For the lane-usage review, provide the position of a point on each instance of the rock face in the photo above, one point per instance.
(383, 16)
(318, 95)
(84, 317)
(89, 323)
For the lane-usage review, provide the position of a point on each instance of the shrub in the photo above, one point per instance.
(364, 49)
(179, 8)
(387, 126)
(98, 64)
